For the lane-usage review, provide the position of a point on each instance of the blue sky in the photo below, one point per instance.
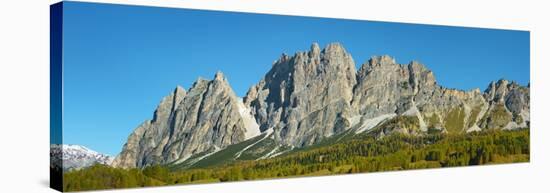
(119, 61)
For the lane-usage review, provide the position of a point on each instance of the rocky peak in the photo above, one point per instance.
(317, 84)
(207, 117)
(179, 89)
(508, 105)
(169, 103)
(332, 50)
(420, 77)
(513, 96)
(219, 77)
(497, 90)
(74, 157)
(384, 62)
(200, 82)
(381, 77)
(220, 84)
(315, 51)
(314, 94)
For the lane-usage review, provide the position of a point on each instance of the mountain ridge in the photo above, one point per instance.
(208, 116)
(74, 157)
(313, 95)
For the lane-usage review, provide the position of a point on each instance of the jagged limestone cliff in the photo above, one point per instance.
(207, 117)
(312, 95)
(305, 97)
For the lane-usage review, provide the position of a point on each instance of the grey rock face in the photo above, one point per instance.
(385, 87)
(509, 106)
(312, 95)
(307, 96)
(207, 117)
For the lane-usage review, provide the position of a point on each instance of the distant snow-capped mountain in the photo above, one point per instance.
(74, 157)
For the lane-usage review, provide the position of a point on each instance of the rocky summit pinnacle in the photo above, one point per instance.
(306, 97)
(207, 117)
(315, 94)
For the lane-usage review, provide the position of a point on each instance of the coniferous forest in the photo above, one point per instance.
(358, 154)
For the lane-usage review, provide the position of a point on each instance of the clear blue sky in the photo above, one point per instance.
(119, 61)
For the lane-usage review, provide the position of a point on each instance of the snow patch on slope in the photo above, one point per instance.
(513, 125)
(252, 127)
(373, 122)
(473, 128)
(355, 120)
(281, 152)
(267, 134)
(74, 157)
(270, 153)
(195, 160)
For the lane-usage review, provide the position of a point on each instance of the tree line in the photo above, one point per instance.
(357, 155)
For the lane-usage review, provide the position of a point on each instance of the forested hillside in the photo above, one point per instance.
(360, 153)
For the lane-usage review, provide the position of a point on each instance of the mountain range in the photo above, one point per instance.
(74, 157)
(309, 98)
